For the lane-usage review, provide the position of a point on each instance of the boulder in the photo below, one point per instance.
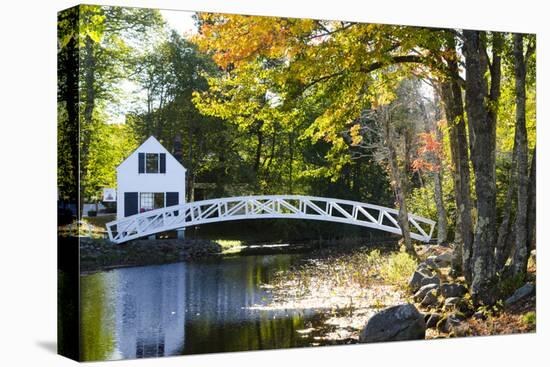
(451, 302)
(424, 268)
(430, 280)
(455, 325)
(460, 330)
(453, 290)
(430, 299)
(444, 259)
(401, 322)
(415, 282)
(479, 315)
(447, 323)
(430, 262)
(521, 293)
(421, 293)
(432, 321)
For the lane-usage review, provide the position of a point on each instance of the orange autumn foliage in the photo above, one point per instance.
(236, 39)
(429, 146)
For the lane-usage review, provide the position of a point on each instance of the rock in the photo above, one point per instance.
(465, 307)
(447, 323)
(479, 315)
(521, 293)
(430, 299)
(430, 262)
(421, 293)
(455, 325)
(424, 268)
(401, 322)
(430, 280)
(453, 290)
(444, 259)
(460, 330)
(451, 302)
(415, 282)
(432, 321)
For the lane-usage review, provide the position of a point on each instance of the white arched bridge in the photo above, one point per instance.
(265, 207)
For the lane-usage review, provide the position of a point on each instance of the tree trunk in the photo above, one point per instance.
(532, 204)
(178, 151)
(481, 109)
(452, 98)
(454, 109)
(504, 231)
(190, 168)
(68, 66)
(258, 155)
(438, 190)
(398, 183)
(86, 123)
(519, 263)
(465, 208)
(290, 163)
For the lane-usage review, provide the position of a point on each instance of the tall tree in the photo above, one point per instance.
(432, 146)
(343, 68)
(519, 264)
(482, 98)
(451, 93)
(104, 36)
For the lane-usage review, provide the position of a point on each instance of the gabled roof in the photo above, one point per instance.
(156, 142)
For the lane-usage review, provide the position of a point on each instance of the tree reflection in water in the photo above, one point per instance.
(186, 308)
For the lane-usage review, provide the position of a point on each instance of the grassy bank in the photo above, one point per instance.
(347, 288)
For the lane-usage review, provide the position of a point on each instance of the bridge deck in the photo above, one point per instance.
(266, 206)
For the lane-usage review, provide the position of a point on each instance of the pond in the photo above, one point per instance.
(202, 306)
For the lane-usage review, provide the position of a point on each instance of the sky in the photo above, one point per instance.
(183, 23)
(180, 20)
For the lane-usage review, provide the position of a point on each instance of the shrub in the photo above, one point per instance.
(506, 286)
(530, 318)
(398, 268)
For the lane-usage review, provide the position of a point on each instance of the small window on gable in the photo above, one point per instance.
(152, 163)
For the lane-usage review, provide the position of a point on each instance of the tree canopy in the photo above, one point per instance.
(439, 122)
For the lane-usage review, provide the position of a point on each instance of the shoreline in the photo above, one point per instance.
(345, 305)
(345, 284)
(98, 254)
(344, 287)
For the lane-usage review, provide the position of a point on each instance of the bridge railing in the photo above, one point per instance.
(266, 206)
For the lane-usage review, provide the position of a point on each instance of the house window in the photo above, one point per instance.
(150, 200)
(152, 163)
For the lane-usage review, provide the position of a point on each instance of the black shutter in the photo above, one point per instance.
(130, 203)
(162, 163)
(141, 164)
(172, 198)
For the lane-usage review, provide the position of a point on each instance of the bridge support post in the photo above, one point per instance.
(181, 233)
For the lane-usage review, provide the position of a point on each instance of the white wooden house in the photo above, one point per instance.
(150, 178)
